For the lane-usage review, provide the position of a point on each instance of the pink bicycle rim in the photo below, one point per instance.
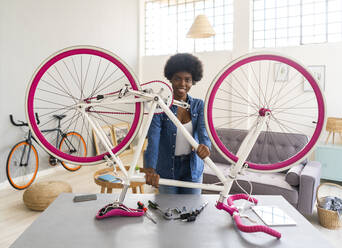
(320, 103)
(158, 81)
(30, 104)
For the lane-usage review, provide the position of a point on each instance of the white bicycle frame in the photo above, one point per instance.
(154, 99)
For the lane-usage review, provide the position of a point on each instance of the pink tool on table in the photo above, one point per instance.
(118, 209)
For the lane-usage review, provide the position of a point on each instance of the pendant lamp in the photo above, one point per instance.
(201, 28)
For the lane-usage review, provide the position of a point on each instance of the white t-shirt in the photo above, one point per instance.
(183, 147)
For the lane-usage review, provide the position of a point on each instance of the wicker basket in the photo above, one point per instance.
(327, 218)
(39, 196)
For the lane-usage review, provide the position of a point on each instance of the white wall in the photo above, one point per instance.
(152, 68)
(32, 30)
(328, 54)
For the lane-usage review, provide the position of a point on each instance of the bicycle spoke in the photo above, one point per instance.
(51, 84)
(109, 85)
(249, 83)
(297, 104)
(289, 91)
(100, 81)
(97, 73)
(268, 77)
(260, 90)
(88, 132)
(51, 118)
(274, 91)
(65, 84)
(289, 129)
(85, 79)
(99, 117)
(286, 94)
(54, 93)
(59, 104)
(72, 76)
(286, 134)
(294, 114)
(245, 100)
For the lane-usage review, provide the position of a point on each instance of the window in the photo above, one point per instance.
(168, 21)
(279, 23)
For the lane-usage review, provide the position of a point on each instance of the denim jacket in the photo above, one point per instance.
(160, 151)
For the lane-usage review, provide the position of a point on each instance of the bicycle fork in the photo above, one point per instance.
(243, 152)
(28, 141)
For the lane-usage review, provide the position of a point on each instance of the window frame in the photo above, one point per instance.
(185, 13)
(304, 37)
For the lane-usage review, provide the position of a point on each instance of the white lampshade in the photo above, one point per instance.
(201, 28)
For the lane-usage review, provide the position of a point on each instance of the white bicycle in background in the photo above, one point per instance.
(258, 92)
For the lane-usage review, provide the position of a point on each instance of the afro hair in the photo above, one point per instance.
(184, 62)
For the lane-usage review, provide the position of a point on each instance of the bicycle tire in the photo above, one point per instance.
(228, 99)
(24, 174)
(77, 75)
(71, 167)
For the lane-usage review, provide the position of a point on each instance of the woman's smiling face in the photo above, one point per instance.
(181, 84)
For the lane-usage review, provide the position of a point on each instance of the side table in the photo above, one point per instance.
(110, 186)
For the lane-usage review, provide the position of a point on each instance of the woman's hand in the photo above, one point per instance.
(152, 178)
(203, 151)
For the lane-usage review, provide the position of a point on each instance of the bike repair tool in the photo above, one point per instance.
(81, 198)
(192, 215)
(147, 214)
(200, 209)
(118, 209)
(166, 214)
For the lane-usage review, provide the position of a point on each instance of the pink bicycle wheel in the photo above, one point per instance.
(82, 75)
(257, 83)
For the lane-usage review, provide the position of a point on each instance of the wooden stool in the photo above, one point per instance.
(334, 125)
(110, 186)
(39, 196)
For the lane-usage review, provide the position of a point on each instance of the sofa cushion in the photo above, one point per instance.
(208, 175)
(270, 147)
(267, 184)
(293, 175)
(262, 183)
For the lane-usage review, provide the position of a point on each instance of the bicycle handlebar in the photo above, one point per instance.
(255, 228)
(233, 211)
(21, 123)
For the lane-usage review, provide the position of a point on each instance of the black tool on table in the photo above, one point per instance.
(192, 215)
(81, 198)
(166, 214)
(186, 217)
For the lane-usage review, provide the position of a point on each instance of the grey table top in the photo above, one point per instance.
(68, 224)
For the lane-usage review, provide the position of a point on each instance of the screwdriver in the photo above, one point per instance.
(147, 214)
(200, 209)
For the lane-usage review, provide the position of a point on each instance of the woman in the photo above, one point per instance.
(168, 154)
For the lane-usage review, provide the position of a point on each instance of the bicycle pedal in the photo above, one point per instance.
(53, 161)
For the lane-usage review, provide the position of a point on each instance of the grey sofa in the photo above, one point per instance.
(297, 185)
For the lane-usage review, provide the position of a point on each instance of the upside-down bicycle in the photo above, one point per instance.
(259, 92)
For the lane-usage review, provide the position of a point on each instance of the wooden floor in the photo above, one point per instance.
(15, 217)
